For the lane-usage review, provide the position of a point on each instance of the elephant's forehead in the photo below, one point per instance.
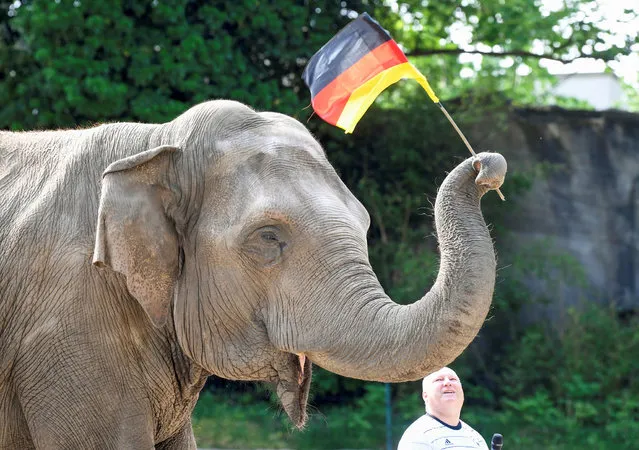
(311, 196)
(273, 158)
(270, 138)
(286, 178)
(288, 185)
(280, 170)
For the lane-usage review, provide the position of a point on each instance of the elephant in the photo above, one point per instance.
(136, 260)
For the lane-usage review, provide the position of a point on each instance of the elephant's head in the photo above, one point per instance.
(242, 233)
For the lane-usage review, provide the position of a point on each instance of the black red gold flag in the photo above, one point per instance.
(350, 71)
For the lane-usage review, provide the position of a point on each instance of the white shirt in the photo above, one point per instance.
(429, 433)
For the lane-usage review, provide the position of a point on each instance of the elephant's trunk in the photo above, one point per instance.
(377, 339)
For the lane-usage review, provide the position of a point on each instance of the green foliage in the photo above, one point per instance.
(355, 425)
(69, 63)
(574, 386)
(75, 62)
(229, 422)
(507, 45)
(632, 96)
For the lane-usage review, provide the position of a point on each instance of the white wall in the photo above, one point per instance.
(601, 90)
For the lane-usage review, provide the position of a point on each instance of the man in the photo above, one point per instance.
(440, 427)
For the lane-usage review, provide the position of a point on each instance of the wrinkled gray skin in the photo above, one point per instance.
(136, 260)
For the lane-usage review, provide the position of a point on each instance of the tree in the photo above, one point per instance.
(506, 46)
(69, 62)
(77, 62)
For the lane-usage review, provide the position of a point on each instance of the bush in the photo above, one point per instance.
(236, 421)
(570, 387)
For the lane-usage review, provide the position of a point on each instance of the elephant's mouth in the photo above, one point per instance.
(292, 386)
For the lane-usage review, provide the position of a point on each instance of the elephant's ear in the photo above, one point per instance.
(134, 234)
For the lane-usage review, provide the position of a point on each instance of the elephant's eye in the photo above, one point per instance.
(269, 236)
(266, 245)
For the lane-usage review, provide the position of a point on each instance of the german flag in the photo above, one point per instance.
(348, 73)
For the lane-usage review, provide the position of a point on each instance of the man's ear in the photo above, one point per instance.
(134, 234)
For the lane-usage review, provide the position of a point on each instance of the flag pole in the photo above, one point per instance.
(421, 79)
(461, 135)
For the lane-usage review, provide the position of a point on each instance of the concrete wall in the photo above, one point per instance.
(588, 203)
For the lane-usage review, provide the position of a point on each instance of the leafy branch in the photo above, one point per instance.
(517, 53)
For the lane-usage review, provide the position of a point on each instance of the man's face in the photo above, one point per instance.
(442, 392)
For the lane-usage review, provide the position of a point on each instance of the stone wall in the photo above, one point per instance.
(587, 203)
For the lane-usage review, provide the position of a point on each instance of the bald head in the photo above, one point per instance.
(443, 395)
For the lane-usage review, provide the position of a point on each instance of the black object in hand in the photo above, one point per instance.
(496, 442)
